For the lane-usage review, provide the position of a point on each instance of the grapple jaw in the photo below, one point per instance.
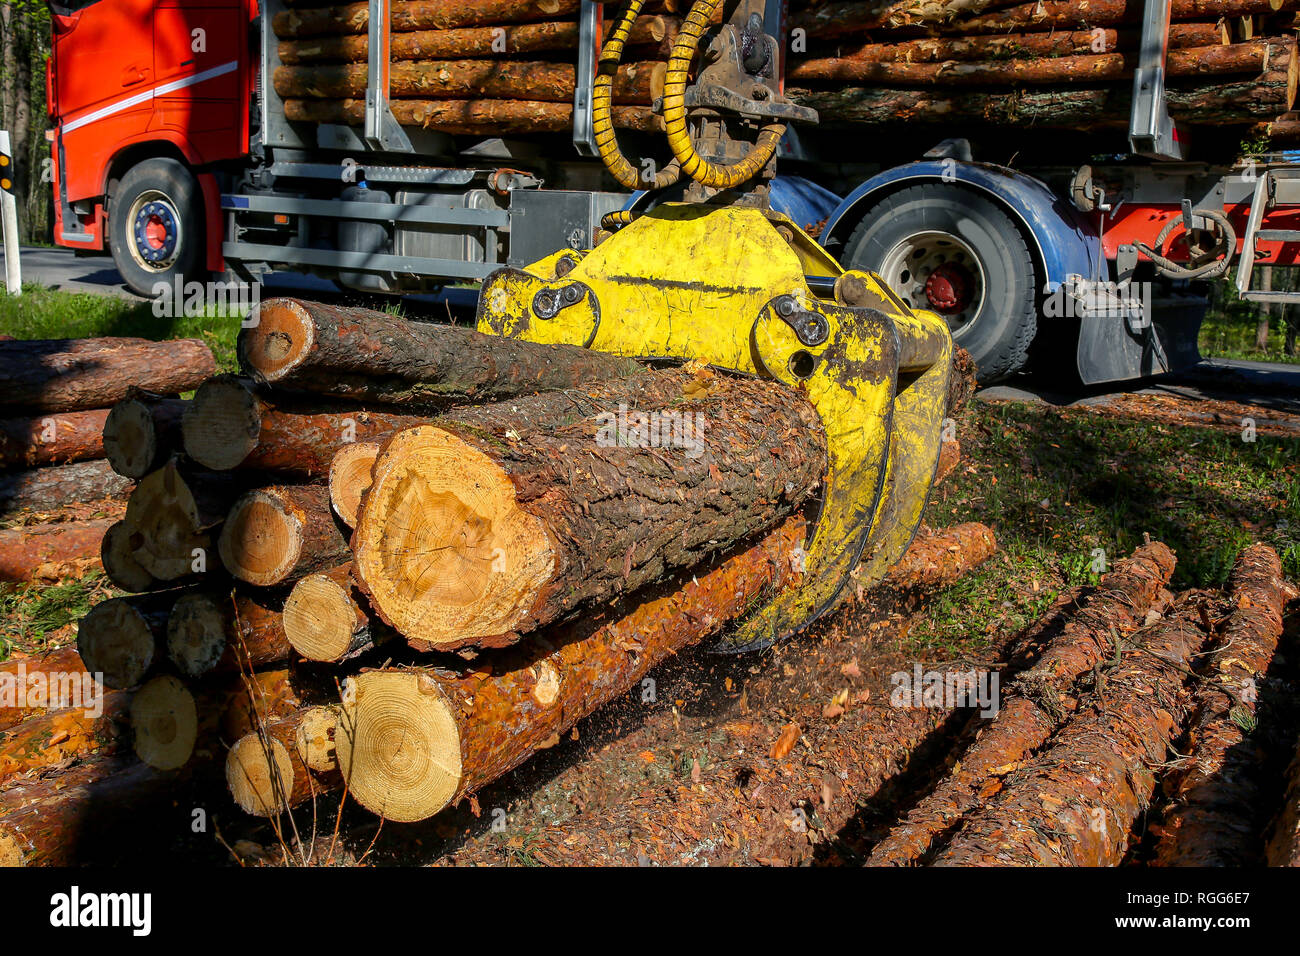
(723, 286)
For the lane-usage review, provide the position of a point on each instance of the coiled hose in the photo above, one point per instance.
(1209, 270)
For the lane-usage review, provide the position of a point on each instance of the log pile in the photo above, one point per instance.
(61, 486)
(481, 67)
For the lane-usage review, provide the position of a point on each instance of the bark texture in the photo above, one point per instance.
(53, 439)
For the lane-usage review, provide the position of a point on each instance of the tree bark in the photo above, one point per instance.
(636, 83)
(213, 632)
(32, 686)
(276, 535)
(53, 439)
(71, 381)
(141, 433)
(55, 486)
(371, 356)
(469, 535)
(468, 117)
(1074, 803)
(74, 734)
(50, 551)
(1032, 708)
(228, 426)
(1217, 794)
(500, 40)
(420, 15)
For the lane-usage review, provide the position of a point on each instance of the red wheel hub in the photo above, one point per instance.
(155, 232)
(948, 289)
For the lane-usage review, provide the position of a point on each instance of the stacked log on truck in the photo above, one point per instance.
(1050, 64)
(60, 487)
(510, 560)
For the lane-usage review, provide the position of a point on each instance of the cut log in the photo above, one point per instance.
(510, 39)
(325, 619)
(1216, 793)
(267, 774)
(31, 686)
(1250, 58)
(1023, 724)
(166, 723)
(413, 741)
(118, 637)
(23, 350)
(950, 553)
(95, 726)
(1075, 802)
(117, 557)
(171, 516)
(315, 738)
(71, 381)
(470, 535)
(212, 632)
(227, 425)
(420, 15)
(53, 439)
(635, 83)
(366, 355)
(468, 117)
(350, 478)
(49, 552)
(141, 433)
(1015, 45)
(56, 486)
(276, 535)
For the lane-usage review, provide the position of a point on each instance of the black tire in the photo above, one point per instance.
(156, 197)
(1003, 326)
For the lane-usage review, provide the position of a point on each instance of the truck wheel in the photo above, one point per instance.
(952, 251)
(155, 224)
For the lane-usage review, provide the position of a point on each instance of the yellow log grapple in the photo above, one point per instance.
(721, 278)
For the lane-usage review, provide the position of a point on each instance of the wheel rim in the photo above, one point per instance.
(940, 272)
(155, 231)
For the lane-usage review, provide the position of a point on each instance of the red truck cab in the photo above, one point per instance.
(148, 99)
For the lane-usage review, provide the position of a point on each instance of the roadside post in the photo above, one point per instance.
(9, 218)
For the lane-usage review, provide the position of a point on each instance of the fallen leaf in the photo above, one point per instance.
(785, 743)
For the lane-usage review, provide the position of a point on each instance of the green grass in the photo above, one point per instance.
(41, 313)
(1229, 332)
(29, 612)
(1055, 486)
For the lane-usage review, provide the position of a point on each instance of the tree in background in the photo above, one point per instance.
(24, 46)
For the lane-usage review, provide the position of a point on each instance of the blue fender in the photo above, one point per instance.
(1065, 242)
(801, 199)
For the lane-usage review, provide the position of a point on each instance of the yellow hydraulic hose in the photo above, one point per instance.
(602, 108)
(692, 163)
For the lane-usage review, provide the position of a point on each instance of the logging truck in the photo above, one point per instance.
(173, 151)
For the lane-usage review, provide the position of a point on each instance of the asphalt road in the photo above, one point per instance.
(1264, 383)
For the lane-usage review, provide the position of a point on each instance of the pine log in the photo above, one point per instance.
(141, 433)
(350, 478)
(1216, 794)
(365, 355)
(56, 486)
(31, 686)
(214, 632)
(117, 557)
(171, 516)
(1220, 103)
(52, 439)
(95, 726)
(117, 639)
(227, 425)
(635, 83)
(267, 773)
(1014, 45)
(46, 552)
(276, 535)
(468, 117)
(1033, 707)
(325, 617)
(470, 535)
(165, 721)
(505, 39)
(71, 381)
(24, 350)
(407, 15)
(1252, 57)
(1075, 802)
